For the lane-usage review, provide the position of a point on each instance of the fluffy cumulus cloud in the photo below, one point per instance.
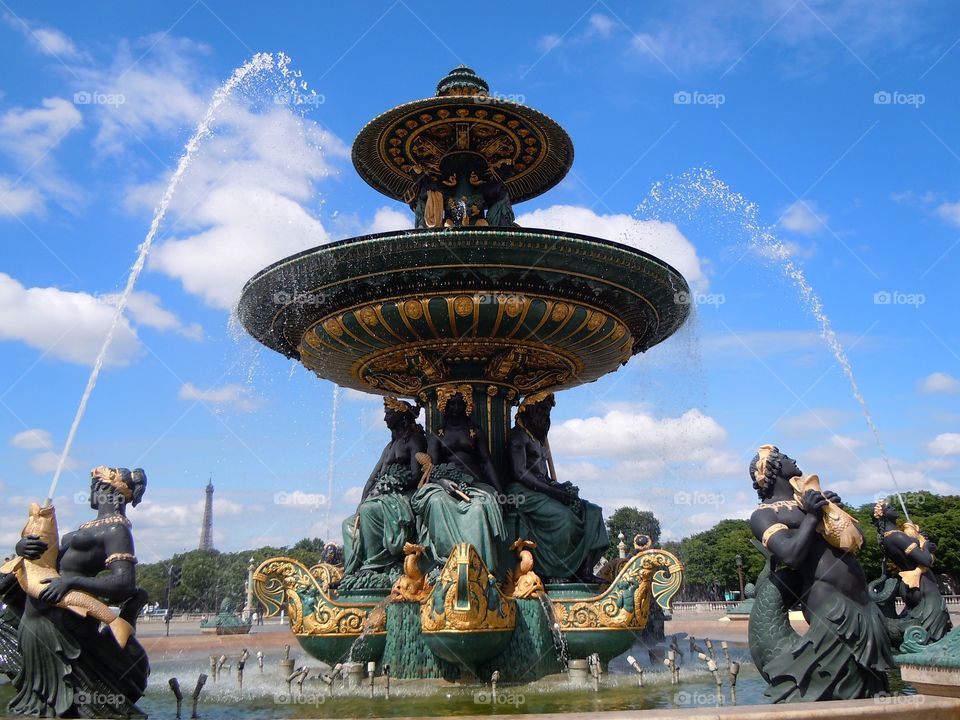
(233, 396)
(940, 383)
(151, 87)
(32, 439)
(45, 461)
(72, 326)
(661, 239)
(945, 444)
(620, 434)
(864, 479)
(145, 310)
(62, 324)
(241, 205)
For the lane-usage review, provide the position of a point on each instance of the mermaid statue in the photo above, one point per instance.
(57, 592)
(458, 500)
(913, 554)
(374, 537)
(810, 541)
(569, 532)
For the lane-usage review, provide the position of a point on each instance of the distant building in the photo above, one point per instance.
(206, 533)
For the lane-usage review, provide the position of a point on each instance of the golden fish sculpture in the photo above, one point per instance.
(30, 574)
(837, 526)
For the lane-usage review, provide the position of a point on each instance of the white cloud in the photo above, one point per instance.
(65, 325)
(617, 434)
(16, 201)
(601, 25)
(46, 40)
(950, 211)
(238, 397)
(845, 442)
(661, 239)
(353, 494)
(357, 396)
(388, 219)
(945, 444)
(814, 420)
(46, 462)
(32, 439)
(872, 476)
(803, 217)
(161, 90)
(145, 309)
(940, 383)
(768, 343)
(547, 43)
(240, 205)
(29, 136)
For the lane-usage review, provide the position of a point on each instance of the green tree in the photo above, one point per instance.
(711, 556)
(631, 521)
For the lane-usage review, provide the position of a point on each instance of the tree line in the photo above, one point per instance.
(709, 557)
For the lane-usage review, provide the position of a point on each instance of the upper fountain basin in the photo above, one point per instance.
(523, 309)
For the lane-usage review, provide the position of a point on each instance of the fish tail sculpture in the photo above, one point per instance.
(30, 574)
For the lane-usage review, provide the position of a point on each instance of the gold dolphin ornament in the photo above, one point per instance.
(30, 574)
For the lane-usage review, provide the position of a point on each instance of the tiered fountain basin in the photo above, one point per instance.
(509, 311)
(465, 625)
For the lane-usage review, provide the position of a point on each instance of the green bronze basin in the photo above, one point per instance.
(515, 309)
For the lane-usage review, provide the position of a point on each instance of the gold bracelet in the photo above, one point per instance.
(771, 531)
(120, 556)
(910, 548)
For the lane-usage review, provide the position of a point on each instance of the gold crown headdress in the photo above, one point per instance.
(879, 508)
(763, 455)
(445, 392)
(111, 477)
(401, 406)
(533, 399)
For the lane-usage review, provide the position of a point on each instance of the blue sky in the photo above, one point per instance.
(835, 122)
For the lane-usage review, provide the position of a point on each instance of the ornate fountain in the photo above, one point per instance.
(466, 300)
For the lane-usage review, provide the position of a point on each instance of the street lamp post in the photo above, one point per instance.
(248, 610)
(739, 561)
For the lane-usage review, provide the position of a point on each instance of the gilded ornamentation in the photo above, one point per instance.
(526, 583)
(560, 312)
(513, 305)
(326, 575)
(445, 392)
(463, 306)
(413, 309)
(647, 576)
(412, 585)
(466, 598)
(837, 526)
(405, 345)
(283, 582)
(333, 327)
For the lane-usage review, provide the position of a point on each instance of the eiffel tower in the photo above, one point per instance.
(206, 533)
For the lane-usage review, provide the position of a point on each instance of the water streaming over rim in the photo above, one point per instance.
(330, 460)
(258, 64)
